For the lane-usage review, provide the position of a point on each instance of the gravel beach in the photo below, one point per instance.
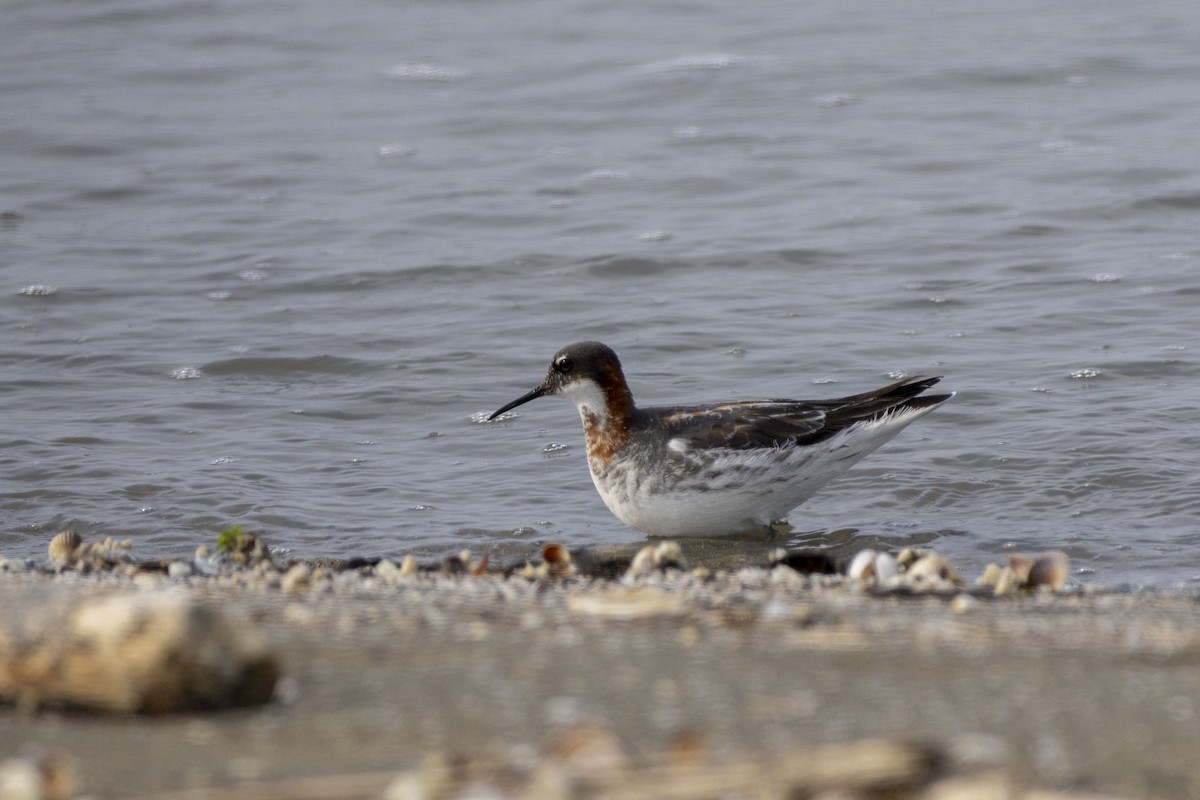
(382, 668)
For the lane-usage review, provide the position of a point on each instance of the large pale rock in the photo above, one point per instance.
(149, 653)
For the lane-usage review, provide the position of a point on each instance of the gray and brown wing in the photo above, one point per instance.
(773, 423)
(743, 426)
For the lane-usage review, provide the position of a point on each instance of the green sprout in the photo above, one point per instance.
(230, 539)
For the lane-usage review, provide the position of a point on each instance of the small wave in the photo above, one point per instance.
(275, 366)
(396, 151)
(836, 100)
(1172, 202)
(618, 266)
(425, 72)
(698, 62)
(39, 290)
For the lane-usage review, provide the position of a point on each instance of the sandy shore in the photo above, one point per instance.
(1079, 691)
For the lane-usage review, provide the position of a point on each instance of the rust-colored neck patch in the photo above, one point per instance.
(605, 434)
(604, 437)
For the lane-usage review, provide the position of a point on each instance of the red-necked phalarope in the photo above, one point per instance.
(724, 468)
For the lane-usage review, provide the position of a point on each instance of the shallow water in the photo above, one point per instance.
(267, 263)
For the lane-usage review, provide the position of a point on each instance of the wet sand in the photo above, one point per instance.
(1081, 691)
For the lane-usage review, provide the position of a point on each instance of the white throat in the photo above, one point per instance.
(587, 396)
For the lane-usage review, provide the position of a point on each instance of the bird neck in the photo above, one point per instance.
(606, 415)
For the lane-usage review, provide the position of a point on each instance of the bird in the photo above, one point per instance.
(718, 469)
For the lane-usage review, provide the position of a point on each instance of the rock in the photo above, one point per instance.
(297, 579)
(387, 571)
(992, 785)
(963, 603)
(49, 778)
(991, 574)
(1049, 569)
(933, 571)
(628, 603)
(655, 558)
(642, 564)
(1008, 582)
(149, 653)
(586, 748)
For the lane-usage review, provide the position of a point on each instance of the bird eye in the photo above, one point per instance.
(563, 365)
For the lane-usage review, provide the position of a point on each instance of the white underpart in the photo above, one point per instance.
(740, 490)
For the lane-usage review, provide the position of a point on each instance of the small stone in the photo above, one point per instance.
(179, 569)
(963, 603)
(586, 748)
(297, 579)
(992, 785)
(628, 603)
(1049, 569)
(669, 555)
(408, 567)
(1006, 583)
(387, 571)
(933, 569)
(203, 565)
(642, 563)
(20, 779)
(1020, 565)
(990, 576)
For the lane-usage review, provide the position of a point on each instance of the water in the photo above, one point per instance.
(267, 263)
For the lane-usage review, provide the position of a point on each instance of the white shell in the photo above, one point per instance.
(64, 545)
(886, 568)
(862, 566)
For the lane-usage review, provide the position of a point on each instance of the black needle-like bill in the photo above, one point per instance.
(525, 398)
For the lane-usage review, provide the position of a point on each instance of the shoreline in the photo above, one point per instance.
(380, 670)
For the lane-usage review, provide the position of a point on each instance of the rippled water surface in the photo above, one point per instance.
(267, 263)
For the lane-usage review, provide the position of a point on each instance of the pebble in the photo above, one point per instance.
(933, 572)
(48, 778)
(1049, 569)
(962, 603)
(387, 571)
(297, 579)
(627, 603)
